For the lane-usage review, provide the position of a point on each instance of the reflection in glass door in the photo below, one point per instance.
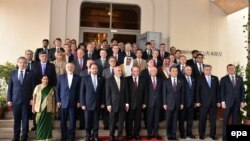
(94, 36)
(125, 38)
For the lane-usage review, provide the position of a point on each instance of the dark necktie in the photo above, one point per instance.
(29, 65)
(200, 69)
(135, 82)
(112, 72)
(189, 82)
(90, 55)
(154, 83)
(21, 77)
(174, 85)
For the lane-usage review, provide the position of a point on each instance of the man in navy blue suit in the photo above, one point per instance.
(189, 99)
(92, 98)
(208, 99)
(67, 98)
(232, 97)
(173, 91)
(20, 90)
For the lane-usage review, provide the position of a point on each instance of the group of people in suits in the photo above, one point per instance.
(120, 86)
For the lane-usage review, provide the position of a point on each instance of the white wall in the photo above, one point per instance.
(23, 25)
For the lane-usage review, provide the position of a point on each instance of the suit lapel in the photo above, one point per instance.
(115, 84)
(90, 80)
(67, 81)
(25, 75)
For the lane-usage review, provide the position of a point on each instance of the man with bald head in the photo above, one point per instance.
(67, 98)
(117, 102)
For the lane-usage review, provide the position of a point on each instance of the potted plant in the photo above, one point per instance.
(3, 96)
(246, 114)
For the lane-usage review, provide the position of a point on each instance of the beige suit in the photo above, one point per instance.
(142, 66)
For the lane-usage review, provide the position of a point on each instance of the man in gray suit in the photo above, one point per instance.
(80, 63)
(102, 62)
(138, 61)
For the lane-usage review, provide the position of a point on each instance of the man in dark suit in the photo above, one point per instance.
(52, 51)
(67, 98)
(92, 98)
(117, 55)
(69, 57)
(181, 66)
(80, 63)
(155, 55)
(108, 73)
(232, 97)
(44, 48)
(173, 91)
(102, 62)
(86, 71)
(29, 58)
(44, 68)
(208, 99)
(189, 98)
(128, 51)
(163, 53)
(198, 67)
(90, 53)
(117, 102)
(137, 100)
(147, 54)
(20, 90)
(154, 103)
(192, 61)
(146, 72)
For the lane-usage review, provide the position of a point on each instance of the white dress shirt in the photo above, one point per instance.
(70, 78)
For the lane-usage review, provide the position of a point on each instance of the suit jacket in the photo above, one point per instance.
(84, 73)
(89, 97)
(70, 58)
(94, 56)
(78, 66)
(196, 73)
(146, 56)
(123, 54)
(38, 50)
(69, 97)
(173, 98)
(207, 96)
(120, 59)
(190, 62)
(189, 92)
(51, 53)
(143, 64)
(163, 74)
(49, 71)
(166, 54)
(115, 98)
(180, 72)
(154, 97)
(100, 66)
(145, 74)
(137, 95)
(20, 93)
(106, 73)
(29, 66)
(230, 93)
(158, 63)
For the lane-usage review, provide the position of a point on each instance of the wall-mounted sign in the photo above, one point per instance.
(205, 53)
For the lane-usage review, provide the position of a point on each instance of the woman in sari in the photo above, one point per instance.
(43, 106)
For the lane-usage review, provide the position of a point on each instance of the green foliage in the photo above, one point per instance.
(5, 70)
(247, 84)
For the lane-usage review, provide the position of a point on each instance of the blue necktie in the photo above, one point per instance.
(21, 77)
(94, 83)
(43, 68)
(189, 82)
(209, 81)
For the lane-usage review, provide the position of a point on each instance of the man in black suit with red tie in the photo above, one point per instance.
(173, 91)
(80, 63)
(154, 103)
(208, 99)
(192, 61)
(117, 102)
(232, 97)
(137, 100)
(189, 98)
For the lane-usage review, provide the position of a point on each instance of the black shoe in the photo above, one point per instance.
(120, 138)
(170, 138)
(213, 138)
(201, 137)
(129, 137)
(33, 129)
(137, 137)
(106, 128)
(224, 138)
(192, 136)
(174, 138)
(182, 136)
(149, 137)
(111, 138)
(87, 139)
(157, 137)
(96, 139)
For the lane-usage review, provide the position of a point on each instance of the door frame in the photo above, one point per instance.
(110, 32)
